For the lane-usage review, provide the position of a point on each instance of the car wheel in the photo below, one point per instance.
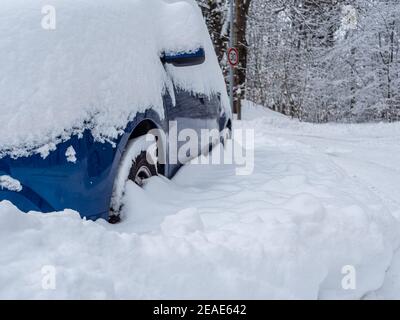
(138, 164)
(141, 170)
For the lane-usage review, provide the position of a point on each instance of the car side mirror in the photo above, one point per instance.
(184, 59)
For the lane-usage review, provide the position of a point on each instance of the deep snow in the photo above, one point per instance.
(321, 197)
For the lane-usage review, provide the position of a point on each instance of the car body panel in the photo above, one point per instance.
(53, 183)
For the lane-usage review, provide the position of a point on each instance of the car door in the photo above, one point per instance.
(195, 112)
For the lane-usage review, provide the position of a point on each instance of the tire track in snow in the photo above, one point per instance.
(391, 284)
(339, 158)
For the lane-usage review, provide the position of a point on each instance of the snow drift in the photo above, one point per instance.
(286, 231)
(96, 70)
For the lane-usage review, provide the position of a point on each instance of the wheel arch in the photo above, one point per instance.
(142, 128)
(133, 131)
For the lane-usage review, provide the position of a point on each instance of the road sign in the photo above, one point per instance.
(233, 57)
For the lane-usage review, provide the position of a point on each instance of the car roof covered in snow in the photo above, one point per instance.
(99, 66)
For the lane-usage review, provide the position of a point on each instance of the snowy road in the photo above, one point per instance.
(320, 198)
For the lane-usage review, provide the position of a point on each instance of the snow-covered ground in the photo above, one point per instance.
(321, 197)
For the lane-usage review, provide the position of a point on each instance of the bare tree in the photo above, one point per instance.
(216, 16)
(242, 12)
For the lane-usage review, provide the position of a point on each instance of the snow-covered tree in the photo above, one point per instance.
(326, 60)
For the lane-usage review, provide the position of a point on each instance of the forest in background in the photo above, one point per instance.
(315, 60)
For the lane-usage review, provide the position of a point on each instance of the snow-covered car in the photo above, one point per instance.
(82, 81)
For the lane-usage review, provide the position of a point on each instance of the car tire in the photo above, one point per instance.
(141, 170)
(136, 167)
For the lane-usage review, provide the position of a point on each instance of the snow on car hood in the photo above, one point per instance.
(96, 70)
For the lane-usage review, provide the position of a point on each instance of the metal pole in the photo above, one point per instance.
(231, 45)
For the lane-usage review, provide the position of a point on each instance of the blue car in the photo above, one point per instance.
(80, 170)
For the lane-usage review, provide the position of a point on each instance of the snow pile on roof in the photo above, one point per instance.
(98, 68)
